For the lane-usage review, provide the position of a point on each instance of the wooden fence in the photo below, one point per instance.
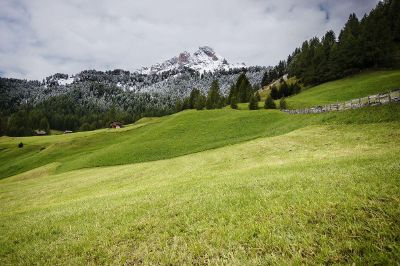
(372, 100)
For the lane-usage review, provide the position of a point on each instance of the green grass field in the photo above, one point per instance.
(233, 187)
(353, 87)
(161, 138)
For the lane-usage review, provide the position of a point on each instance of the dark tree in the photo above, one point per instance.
(269, 103)
(194, 94)
(200, 102)
(265, 79)
(373, 42)
(275, 93)
(282, 103)
(234, 103)
(178, 106)
(214, 96)
(253, 104)
(242, 90)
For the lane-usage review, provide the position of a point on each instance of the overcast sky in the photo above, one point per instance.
(42, 37)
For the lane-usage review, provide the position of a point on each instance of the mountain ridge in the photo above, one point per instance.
(204, 59)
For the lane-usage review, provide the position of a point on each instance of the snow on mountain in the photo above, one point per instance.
(204, 59)
(65, 81)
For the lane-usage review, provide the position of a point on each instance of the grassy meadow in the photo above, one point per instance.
(357, 86)
(166, 137)
(278, 200)
(220, 187)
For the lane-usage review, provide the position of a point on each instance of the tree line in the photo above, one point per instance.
(372, 42)
(240, 92)
(59, 113)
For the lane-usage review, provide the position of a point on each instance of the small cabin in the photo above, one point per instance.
(116, 125)
(40, 132)
(68, 131)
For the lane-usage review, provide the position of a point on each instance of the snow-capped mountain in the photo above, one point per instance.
(203, 60)
(156, 88)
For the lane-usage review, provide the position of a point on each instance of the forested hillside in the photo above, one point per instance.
(92, 99)
(370, 42)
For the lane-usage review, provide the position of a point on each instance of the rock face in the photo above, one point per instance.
(204, 59)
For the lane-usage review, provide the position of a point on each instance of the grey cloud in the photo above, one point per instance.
(42, 37)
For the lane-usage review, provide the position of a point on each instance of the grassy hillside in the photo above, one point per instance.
(232, 187)
(318, 195)
(346, 89)
(161, 138)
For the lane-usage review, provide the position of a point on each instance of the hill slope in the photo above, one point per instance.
(353, 87)
(166, 137)
(207, 187)
(273, 200)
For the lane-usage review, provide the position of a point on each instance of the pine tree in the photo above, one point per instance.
(194, 94)
(274, 93)
(325, 63)
(44, 124)
(269, 103)
(178, 106)
(296, 88)
(200, 102)
(253, 104)
(265, 79)
(349, 58)
(284, 89)
(186, 103)
(214, 96)
(243, 89)
(234, 103)
(282, 103)
(232, 93)
(376, 39)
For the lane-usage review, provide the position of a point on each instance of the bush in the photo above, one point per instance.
(269, 103)
(282, 103)
(178, 106)
(20, 145)
(200, 102)
(253, 104)
(275, 93)
(234, 103)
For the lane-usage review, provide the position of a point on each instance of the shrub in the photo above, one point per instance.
(269, 103)
(253, 104)
(282, 103)
(200, 102)
(234, 103)
(275, 93)
(178, 106)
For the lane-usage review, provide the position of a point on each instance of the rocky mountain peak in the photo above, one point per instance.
(204, 59)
